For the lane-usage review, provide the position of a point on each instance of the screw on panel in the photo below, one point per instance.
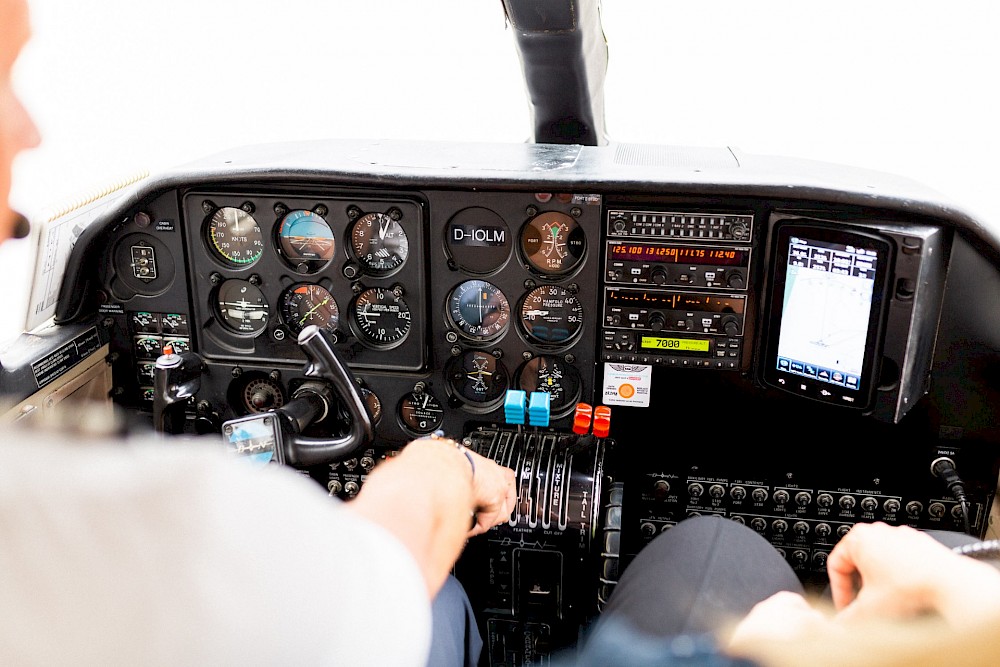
(280, 209)
(397, 290)
(353, 213)
(321, 210)
(497, 352)
(570, 358)
(531, 211)
(576, 212)
(530, 284)
(572, 288)
(275, 375)
(248, 207)
(207, 206)
(419, 388)
(216, 278)
(526, 355)
(455, 350)
(395, 214)
(237, 371)
(256, 280)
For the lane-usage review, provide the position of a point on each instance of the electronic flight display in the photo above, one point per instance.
(827, 303)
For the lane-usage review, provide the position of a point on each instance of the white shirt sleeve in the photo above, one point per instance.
(177, 554)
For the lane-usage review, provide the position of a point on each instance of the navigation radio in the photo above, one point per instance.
(674, 328)
(677, 265)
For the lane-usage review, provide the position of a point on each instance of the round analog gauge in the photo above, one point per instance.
(421, 412)
(306, 241)
(551, 314)
(379, 243)
(479, 310)
(262, 395)
(234, 236)
(242, 306)
(560, 380)
(382, 318)
(373, 402)
(553, 243)
(478, 378)
(306, 303)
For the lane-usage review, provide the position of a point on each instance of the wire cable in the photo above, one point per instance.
(943, 467)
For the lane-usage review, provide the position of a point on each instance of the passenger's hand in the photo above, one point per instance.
(882, 571)
(493, 493)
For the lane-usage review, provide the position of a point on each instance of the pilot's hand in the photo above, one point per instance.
(785, 616)
(494, 493)
(882, 571)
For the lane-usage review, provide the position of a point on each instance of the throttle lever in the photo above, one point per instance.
(176, 378)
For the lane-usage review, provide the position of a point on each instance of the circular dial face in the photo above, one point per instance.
(479, 309)
(382, 318)
(234, 236)
(421, 412)
(379, 243)
(478, 378)
(306, 241)
(551, 314)
(373, 402)
(242, 307)
(552, 375)
(306, 303)
(553, 243)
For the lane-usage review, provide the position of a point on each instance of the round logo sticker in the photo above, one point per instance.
(626, 390)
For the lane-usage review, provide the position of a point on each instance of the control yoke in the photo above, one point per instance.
(262, 434)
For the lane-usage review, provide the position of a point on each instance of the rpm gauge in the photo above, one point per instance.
(553, 243)
(241, 307)
(379, 243)
(382, 318)
(551, 314)
(306, 241)
(479, 310)
(234, 237)
(307, 303)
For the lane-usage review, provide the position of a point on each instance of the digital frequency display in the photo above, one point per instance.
(675, 344)
(827, 311)
(651, 252)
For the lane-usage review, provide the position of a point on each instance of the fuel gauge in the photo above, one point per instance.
(557, 378)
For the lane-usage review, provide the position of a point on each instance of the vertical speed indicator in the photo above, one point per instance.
(381, 317)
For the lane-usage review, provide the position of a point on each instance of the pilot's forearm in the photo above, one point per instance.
(424, 497)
